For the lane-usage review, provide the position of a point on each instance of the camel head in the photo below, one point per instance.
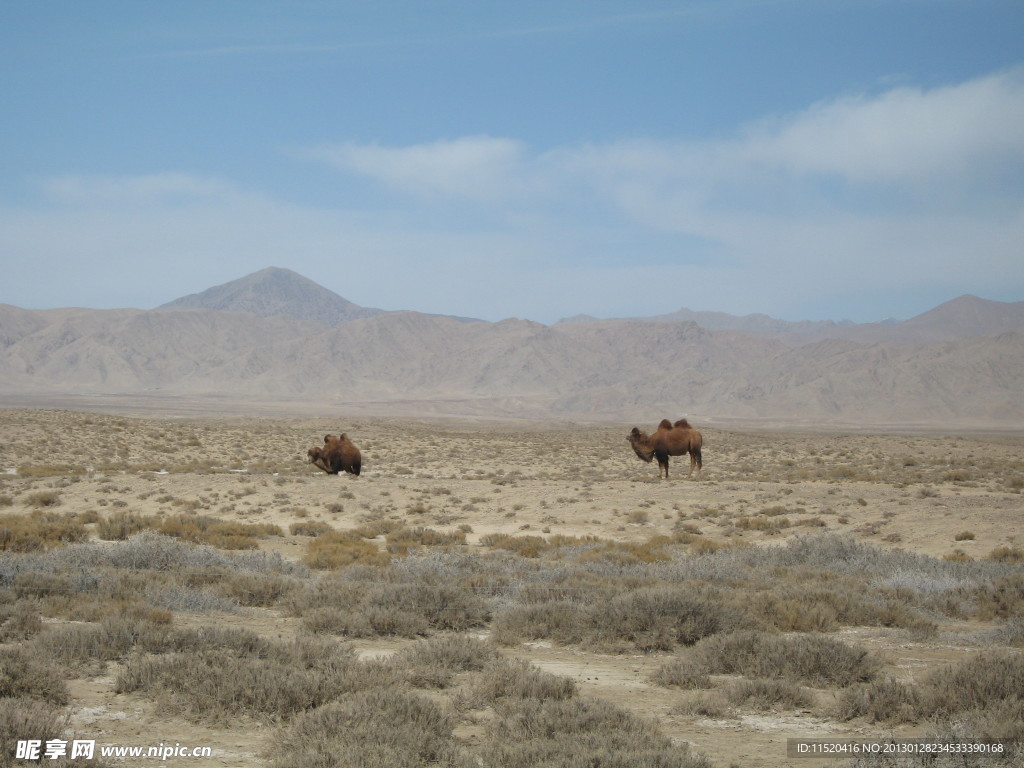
(640, 441)
(314, 454)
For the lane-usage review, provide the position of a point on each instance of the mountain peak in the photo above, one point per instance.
(972, 315)
(276, 291)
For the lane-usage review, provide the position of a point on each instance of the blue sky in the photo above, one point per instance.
(808, 159)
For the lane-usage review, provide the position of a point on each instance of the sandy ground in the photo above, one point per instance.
(931, 493)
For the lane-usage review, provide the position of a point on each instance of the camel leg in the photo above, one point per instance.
(662, 463)
(695, 461)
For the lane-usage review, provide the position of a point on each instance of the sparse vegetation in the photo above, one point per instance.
(454, 563)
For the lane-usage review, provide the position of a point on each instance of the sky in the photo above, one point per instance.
(806, 159)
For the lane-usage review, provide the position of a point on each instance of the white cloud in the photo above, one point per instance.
(906, 135)
(474, 166)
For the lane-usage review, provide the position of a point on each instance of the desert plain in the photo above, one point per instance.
(501, 580)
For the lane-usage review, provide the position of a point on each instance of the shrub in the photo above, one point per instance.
(885, 700)
(680, 674)
(49, 470)
(659, 618)
(338, 550)
(19, 621)
(647, 619)
(1006, 554)
(27, 674)
(434, 663)
(23, 717)
(121, 525)
(219, 676)
(256, 589)
(767, 695)
(518, 679)
(458, 653)
(200, 529)
(813, 659)
(978, 683)
(400, 541)
(372, 729)
(42, 499)
(309, 528)
(566, 733)
(39, 531)
(113, 638)
(559, 620)
(361, 609)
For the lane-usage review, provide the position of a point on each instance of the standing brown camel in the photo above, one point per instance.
(668, 440)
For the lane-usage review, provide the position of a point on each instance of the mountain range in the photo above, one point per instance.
(276, 337)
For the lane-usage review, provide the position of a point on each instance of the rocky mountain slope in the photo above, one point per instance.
(275, 291)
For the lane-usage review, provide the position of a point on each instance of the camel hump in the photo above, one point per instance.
(665, 424)
(683, 424)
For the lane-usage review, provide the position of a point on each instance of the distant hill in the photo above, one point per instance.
(275, 291)
(406, 363)
(277, 337)
(967, 316)
(759, 324)
(959, 318)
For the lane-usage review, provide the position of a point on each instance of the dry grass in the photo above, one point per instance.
(333, 549)
(39, 531)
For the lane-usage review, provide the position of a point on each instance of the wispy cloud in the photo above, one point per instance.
(152, 189)
(476, 166)
(903, 139)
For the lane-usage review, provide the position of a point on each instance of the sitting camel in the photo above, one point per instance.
(668, 440)
(338, 453)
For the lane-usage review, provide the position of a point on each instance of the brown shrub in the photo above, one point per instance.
(39, 531)
(121, 525)
(340, 550)
(309, 528)
(400, 541)
(1006, 554)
